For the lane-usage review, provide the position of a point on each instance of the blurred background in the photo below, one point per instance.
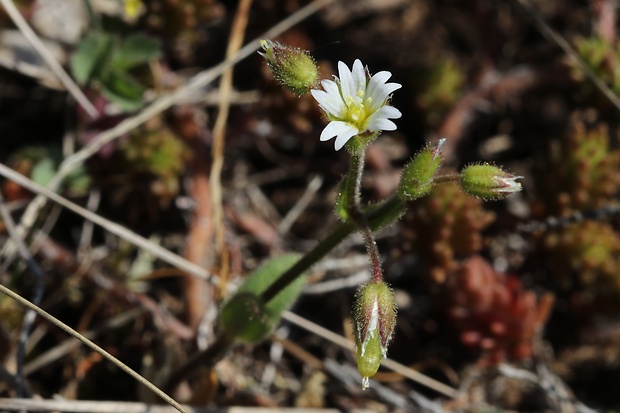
(514, 303)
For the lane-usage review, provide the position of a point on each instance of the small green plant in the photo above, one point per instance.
(41, 164)
(105, 61)
(441, 85)
(356, 106)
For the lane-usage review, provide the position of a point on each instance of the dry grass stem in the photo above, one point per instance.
(556, 38)
(119, 230)
(390, 364)
(76, 406)
(89, 343)
(311, 189)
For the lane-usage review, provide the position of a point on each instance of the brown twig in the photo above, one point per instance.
(198, 292)
(219, 132)
(65, 261)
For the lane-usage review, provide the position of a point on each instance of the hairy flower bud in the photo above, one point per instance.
(375, 317)
(292, 67)
(417, 177)
(488, 182)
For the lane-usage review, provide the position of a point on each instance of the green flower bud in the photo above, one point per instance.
(488, 182)
(292, 67)
(417, 177)
(375, 317)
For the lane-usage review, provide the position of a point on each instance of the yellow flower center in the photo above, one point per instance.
(356, 113)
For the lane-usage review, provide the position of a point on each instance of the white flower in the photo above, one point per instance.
(356, 103)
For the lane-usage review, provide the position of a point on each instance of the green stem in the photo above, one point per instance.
(380, 216)
(440, 179)
(354, 179)
(354, 184)
(349, 197)
(311, 257)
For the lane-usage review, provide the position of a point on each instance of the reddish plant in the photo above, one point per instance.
(492, 311)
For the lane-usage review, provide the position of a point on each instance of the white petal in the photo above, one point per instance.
(347, 83)
(389, 88)
(333, 91)
(381, 124)
(379, 92)
(359, 77)
(376, 81)
(379, 120)
(390, 112)
(331, 87)
(330, 104)
(344, 137)
(338, 128)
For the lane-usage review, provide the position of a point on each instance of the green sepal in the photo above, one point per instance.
(294, 68)
(488, 182)
(417, 177)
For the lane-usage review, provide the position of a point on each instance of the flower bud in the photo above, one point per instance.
(417, 177)
(292, 67)
(375, 318)
(488, 182)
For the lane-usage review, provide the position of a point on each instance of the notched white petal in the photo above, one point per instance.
(383, 124)
(344, 137)
(337, 128)
(359, 77)
(347, 84)
(331, 87)
(380, 119)
(376, 81)
(331, 104)
(390, 112)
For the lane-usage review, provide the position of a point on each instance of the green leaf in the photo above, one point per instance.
(91, 56)
(245, 316)
(134, 50)
(122, 89)
(43, 171)
(78, 181)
